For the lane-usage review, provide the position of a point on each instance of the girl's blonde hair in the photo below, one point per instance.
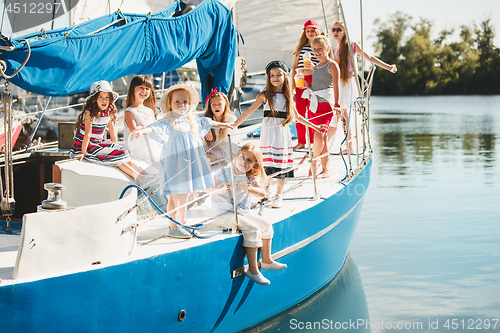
(343, 56)
(91, 106)
(257, 169)
(286, 90)
(303, 41)
(169, 113)
(225, 115)
(140, 80)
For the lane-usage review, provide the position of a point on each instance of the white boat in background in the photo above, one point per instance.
(104, 263)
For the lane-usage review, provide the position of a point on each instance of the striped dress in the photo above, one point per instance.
(276, 140)
(99, 150)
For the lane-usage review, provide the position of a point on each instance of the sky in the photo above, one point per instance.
(446, 14)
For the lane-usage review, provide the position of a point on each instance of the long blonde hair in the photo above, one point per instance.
(171, 117)
(286, 90)
(140, 80)
(303, 41)
(225, 115)
(91, 106)
(258, 169)
(343, 56)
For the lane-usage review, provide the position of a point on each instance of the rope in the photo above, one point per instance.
(8, 77)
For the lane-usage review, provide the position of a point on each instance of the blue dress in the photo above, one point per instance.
(184, 166)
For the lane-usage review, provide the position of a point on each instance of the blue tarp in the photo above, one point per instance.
(61, 65)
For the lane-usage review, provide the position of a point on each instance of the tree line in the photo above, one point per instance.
(436, 67)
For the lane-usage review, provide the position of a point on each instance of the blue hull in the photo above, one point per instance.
(148, 295)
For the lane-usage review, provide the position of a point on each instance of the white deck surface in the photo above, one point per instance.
(151, 235)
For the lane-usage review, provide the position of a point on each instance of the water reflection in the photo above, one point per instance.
(423, 135)
(341, 302)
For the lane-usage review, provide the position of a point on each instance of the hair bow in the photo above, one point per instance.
(212, 94)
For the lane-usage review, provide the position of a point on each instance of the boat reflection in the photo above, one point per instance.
(337, 306)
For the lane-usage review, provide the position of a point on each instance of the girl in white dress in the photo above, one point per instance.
(216, 141)
(140, 112)
(275, 138)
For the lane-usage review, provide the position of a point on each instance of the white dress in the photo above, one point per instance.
(276, 140)
(143, 148)
(220, 148)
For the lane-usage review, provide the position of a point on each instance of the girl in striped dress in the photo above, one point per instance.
(99, 112)
(275, 138)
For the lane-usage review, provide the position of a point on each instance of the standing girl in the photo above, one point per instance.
(184, 167)
(348, 87)
(99, 112)
(324, 100)
(275, 137)
(303, 65)
(140, 112)
(216, 140)
(257, 231)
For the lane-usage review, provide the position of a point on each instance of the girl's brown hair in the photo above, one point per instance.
(140, 80)
(225, 115)
(343, 56)
(91, 106)
(303, 41)
(258, 169)
(286, 90)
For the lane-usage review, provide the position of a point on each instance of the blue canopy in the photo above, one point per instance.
(69, 60)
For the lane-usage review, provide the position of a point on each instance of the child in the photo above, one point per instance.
(216, 140)
(349, 90)
(324, 100)
(184, 166)
(275, 138)
(141, 103)
(301, 65)
(99, 111)
(257, 231)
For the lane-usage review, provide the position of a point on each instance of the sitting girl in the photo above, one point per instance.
(257, 231)
(140, 112)
(216, 140)
(89, 144)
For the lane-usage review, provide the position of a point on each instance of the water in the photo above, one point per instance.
(426, 254)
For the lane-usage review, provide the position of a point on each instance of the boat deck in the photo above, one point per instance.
(151, 232)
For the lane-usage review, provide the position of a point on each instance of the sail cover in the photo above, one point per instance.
(69, 60)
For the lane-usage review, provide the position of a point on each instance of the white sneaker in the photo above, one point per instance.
(277, 201)
(274, 266)
(259, 278)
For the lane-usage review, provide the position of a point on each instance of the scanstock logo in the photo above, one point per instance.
(26, 14)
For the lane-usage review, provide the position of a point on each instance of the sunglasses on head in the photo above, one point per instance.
(336, 29)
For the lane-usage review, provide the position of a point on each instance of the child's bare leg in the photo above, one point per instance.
(265, 250)
(281, 184)
(181, 200)
(252, 259)
(129, 171)
(170, 208)
(317, 148)
(325, 159)
(351, 150)
(137, 168)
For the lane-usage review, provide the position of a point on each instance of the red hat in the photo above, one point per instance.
(311, 24)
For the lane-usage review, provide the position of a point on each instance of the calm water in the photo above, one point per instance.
(426, 254)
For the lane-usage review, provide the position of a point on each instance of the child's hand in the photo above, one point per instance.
(242, 186)
(209, 136)
(322, 128)
(229, 125)
(135, 134)
(79, 157)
